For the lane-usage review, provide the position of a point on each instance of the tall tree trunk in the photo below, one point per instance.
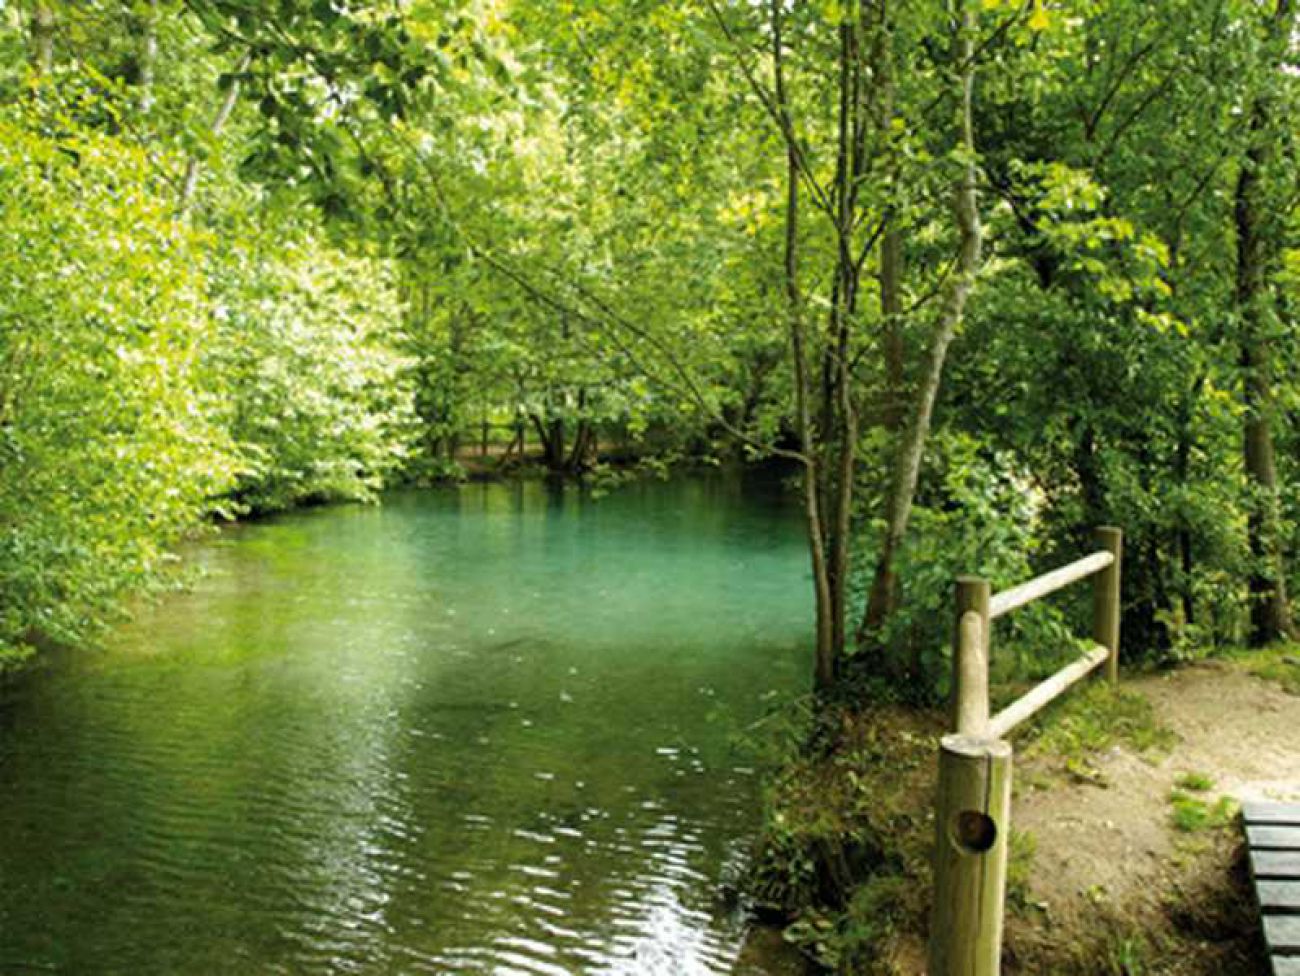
(555, 444)
(552, 435)
(578, 454)
(1183, 472)
(882, 596)
(891, 310)
(1087, 471)
(43, 39)
(449, 412)
(516, 444)
(825, 650)
(1270, 613)
(891, 266)
(840, 430)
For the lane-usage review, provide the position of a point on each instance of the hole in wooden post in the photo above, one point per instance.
(974, 832)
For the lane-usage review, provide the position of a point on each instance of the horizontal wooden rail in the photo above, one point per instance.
(973, 802)
(1040, 586)
(1027, 705)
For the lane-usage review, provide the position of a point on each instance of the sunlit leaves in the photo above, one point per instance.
(303, 349)
(151, 367)
(108, 451)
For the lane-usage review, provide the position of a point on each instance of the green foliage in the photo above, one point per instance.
(1020, 865)
(844, 852)
(314, 392)
(305, 247)
(579, 214)
(977, 514)
(1193, 782)
(1128, 955)
(156, 372)
(108, 454)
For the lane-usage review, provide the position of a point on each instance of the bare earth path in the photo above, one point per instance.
(1108, 864)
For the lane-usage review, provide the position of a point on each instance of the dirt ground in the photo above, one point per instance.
(1106, 838)
(1126, 860)
(1113, 886)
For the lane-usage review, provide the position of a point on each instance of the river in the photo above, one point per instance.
(484, 729)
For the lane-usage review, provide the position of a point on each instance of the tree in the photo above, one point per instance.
(1258, 251)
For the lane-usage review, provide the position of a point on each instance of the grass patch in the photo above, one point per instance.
(1191, 811)
(1194, 782)
(1192, 814)
(1020, 868)
(1279, 664)
(843, 858)
(1092, 720)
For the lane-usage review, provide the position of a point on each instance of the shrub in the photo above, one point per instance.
(107, 454)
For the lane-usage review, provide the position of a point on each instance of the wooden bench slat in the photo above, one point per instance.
(1276, 865)
(1287, 814)
(1273, 838)
(1282, 933)
(1278, 896)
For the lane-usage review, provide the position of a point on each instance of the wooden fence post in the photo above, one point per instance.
(973, 826)
(970, 657)
(1105, 599)
(973, 808)
(973, 805)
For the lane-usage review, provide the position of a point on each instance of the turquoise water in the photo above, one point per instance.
(488, 729)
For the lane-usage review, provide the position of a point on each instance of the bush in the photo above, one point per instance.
(106, 455)
(977, 515)
(312, 388)
(153, 374)
(843, 856)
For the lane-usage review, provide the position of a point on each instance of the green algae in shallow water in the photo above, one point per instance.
(475, 730)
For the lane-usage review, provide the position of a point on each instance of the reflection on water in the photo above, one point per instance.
(481, 730)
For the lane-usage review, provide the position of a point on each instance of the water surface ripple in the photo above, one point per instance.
(480, 730)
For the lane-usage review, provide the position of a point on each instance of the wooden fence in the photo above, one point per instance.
(973, 805)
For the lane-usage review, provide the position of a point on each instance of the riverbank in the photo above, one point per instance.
(168, 568)
(1126, 852)
(607, 466)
